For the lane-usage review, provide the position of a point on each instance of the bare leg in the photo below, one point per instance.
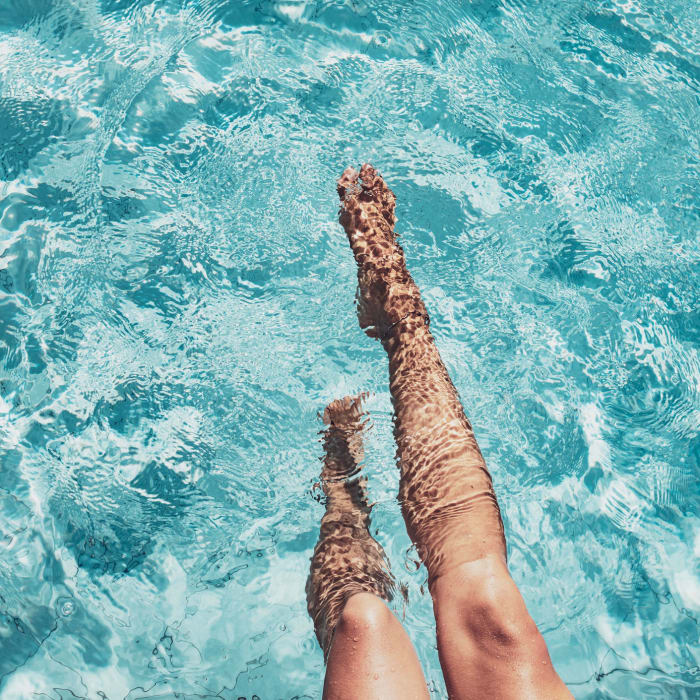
(368, 652)
(488, 644)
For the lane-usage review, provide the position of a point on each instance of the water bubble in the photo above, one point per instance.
(66, 606)
(382, 39)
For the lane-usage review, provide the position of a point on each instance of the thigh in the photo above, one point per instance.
(371, 656)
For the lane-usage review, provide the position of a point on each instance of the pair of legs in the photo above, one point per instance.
(488, 644)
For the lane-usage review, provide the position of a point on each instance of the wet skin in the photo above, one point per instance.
(488, 644)
(368, 652)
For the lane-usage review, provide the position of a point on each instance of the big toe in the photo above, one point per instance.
(368, 175)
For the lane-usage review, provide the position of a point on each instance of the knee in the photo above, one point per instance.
(364, 614)
(480, 603)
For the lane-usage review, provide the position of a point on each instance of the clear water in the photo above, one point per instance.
(176, 305)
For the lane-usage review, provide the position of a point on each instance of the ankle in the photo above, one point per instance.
(413, 324)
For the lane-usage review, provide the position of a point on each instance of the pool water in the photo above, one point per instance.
(177, 304)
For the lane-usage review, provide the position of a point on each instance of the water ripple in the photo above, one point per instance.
(177, 303)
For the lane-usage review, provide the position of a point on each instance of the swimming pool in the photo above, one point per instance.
(176, 305)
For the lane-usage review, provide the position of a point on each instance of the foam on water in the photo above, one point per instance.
(176, 305)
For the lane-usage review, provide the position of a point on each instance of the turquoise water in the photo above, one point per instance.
(176, 305)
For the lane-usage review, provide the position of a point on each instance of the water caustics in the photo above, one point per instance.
(177, 305)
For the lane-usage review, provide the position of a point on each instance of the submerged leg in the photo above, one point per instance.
(368, 652)
(488, 644)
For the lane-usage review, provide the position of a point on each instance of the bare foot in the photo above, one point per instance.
(345, 411)
(387, 293)
(342, 440)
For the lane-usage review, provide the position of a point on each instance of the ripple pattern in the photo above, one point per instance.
(176, 305)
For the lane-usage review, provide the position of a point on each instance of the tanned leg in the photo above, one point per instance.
(488, 644)
(368, 652)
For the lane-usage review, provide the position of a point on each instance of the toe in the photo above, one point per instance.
(345, 410)
(368, 175)
(347, 181)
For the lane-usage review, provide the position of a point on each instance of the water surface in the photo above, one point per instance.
(177, 304)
